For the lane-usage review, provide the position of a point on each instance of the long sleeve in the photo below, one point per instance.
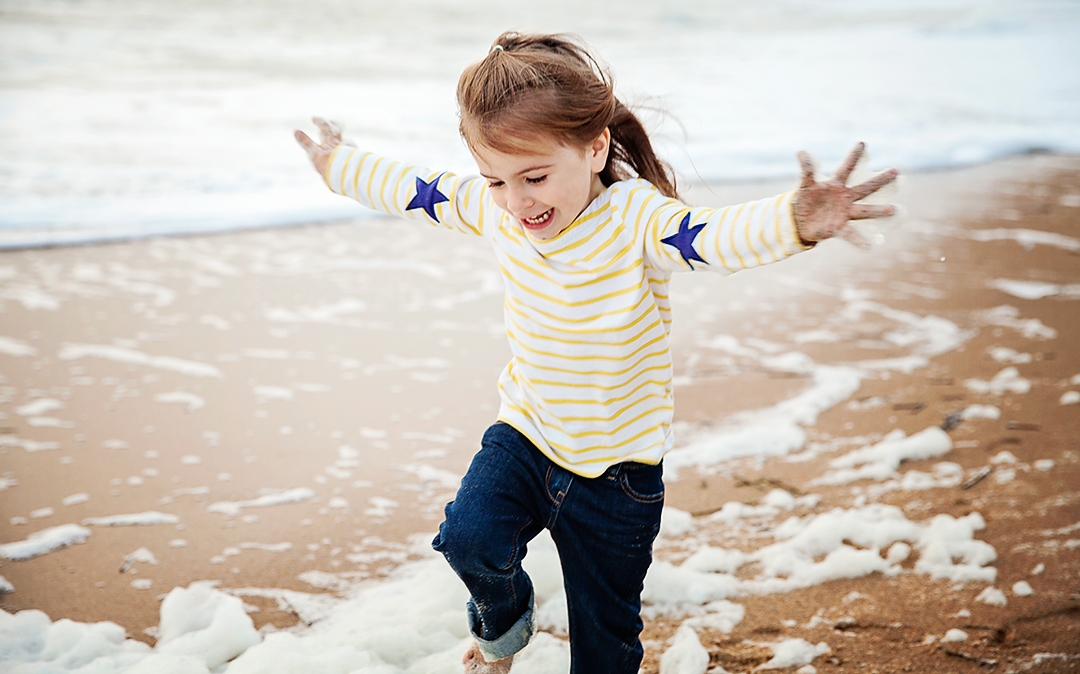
(677, 237)
(410, 192)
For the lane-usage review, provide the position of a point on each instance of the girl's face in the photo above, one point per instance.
(546, 189)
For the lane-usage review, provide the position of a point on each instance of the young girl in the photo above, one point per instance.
(587, 228)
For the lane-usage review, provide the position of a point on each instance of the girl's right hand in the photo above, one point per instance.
(329, 138)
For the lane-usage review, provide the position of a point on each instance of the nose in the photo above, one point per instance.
(518, 200)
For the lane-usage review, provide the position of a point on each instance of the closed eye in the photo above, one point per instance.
(536, 181)
(495, 183)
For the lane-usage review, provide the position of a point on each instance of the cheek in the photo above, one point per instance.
(499, 199)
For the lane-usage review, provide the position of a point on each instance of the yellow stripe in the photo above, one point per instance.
(581, 241)
(641, 208)
(329, 168)
(584, 319)
(749, 244)
(466, 200)
(659, 228)
(565, 303)
(604, 246)
(608, 431)
(621, 356)
(597, 342)
(526, 265)
(632, 369)
(591, 331)
(382, 187)
(734, 223)
(371, 178)
(570, 450)
(344, 166)
(592, 401)
(592, 385)
(356, 178)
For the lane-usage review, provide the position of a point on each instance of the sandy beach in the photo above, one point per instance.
(286, 411)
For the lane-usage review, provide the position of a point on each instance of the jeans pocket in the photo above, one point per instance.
(643, 483)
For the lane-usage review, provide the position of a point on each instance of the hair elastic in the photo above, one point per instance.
(498, 47)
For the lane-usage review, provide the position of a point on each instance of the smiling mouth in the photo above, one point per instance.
(539, 221)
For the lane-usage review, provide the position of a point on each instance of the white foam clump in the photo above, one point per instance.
(992, 596)
(686, 655)
(711, 560)
(278, 498)
(898, 552)
(980, 412)
(1028, 238)
(190, 400)
(675, 523)
(1022, 589)
(1008, 317)
(44, 541)
(5, 586)
(926, 336)
(1070, 398)
(946, 539)
(1004, 354)
(954, 635)
(773, 431)
(122, 355)
(794, 652)
(75, 499)
(880, 461)
(1006, 381)
(431, 476)
(148, 518)
(30, 446)
(13, 347)
(38, 407)
(415, 620)
(141, 555)
(817, 548)
(1034, 290)
(945, 474)
(274, 392)
(1004, 457)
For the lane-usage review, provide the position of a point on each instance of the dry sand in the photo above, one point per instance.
(359, 362)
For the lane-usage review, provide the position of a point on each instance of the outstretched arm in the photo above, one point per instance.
(410, 192)
(824, 209)
(679, 238)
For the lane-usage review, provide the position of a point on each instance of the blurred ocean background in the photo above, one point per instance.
(130, 118)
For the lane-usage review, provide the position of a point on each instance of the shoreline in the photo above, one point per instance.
(715, 187)
(382, 373)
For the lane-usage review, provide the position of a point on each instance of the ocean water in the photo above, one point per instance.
(130, 118)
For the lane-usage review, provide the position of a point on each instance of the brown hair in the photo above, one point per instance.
(531, 88)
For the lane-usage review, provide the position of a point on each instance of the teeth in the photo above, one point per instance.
(538, 219)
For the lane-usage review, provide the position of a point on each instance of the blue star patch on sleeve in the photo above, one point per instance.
(683, 240)
(427, 195)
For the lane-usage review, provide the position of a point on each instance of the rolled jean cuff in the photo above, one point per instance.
(515, 638)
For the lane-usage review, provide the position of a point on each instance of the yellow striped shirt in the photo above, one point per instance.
(587, 312)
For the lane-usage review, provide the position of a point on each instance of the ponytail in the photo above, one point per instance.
(531, 88)
(632, 149)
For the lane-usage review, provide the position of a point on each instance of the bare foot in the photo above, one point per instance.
(476, 664)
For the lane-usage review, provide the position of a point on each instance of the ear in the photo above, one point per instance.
(598, 151)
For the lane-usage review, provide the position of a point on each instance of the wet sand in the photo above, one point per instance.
(358, 362)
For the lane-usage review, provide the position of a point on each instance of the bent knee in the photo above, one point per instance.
(476, 547)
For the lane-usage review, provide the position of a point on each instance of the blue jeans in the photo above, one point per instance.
(603, 528)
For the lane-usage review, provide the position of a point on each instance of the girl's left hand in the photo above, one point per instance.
(329, 138)
(822, 210)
